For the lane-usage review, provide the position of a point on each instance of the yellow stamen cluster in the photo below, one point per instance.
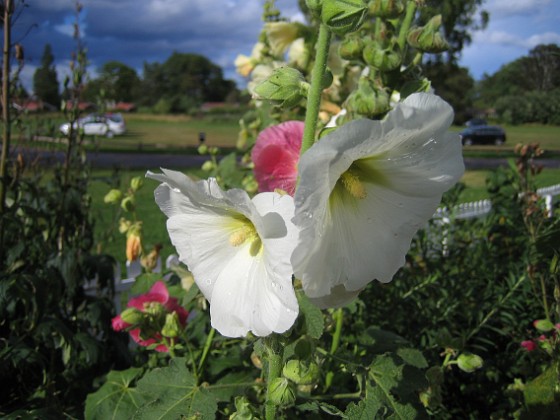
(246, 232)
(353, 185)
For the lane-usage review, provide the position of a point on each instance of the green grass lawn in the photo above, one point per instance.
(180, 133)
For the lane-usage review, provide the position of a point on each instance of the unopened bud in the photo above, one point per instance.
(172, 326)
(468, 362)
(351, 47)
(133, 247)
(368, 100)
(127, 204)
(131, 316)
(384, 59)
(124, 225)
(386, 9)
(136, 183)
(202, 149)
(281, 392)
(286, 87)
(300, 372)
(543, 325)
(208, 166)
(428, 38)
(113, 196)
(343, 16)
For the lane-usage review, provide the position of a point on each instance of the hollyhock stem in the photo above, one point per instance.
(206, 349)
(339, 316)
(405, 26)
(314, 93)
(275, 355)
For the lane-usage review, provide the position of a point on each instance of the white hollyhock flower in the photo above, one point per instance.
(238, 250)
(364, 190)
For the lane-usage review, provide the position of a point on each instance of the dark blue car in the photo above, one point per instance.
(478, 131)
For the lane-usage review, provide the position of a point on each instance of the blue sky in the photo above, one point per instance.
(138, 31)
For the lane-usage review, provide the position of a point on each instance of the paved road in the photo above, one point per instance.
(177, 161)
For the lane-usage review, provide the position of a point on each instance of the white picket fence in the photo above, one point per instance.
(442, 215)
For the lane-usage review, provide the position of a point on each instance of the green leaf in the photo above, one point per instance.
(381, 341)
(540, 391)
(312, 317)
(395, 386)
(174, 393)
(412, 357)
(117, 398)
(231, 385)
(366, 409)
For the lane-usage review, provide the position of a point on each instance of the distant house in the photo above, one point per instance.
(124, 107)
(82, 106)
(32, 104)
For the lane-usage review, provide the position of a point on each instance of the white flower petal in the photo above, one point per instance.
(237, 249)
(402, 165)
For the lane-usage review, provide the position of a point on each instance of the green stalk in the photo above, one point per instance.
(5, 113)
(334, 344)
(275, 358)
(407, 21)
(206, 349)
(316, 88)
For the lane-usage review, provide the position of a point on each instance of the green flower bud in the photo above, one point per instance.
(351, 47)
(281, 392)
(208, 166)
(131, 316)
(469, 362)
(113, 197)
(127, 204)
(428, 38)
(124, 225)
(387, 59)
(302, 373)
(368, 100)
(286, 87)
(202, 149)
(386, 9)
(343, 16)
(213, 150)
(172, 326)
(543, 325)
(136, 183)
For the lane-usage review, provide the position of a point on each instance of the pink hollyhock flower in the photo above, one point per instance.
(528, 345)
(156, 302)
(276, 155)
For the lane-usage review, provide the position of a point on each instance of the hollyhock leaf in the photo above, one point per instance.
(173, 393)
(364, 191)
(237, 249)
(117, 398)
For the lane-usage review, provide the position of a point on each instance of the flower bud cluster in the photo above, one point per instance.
(154, 319)
(548, 341)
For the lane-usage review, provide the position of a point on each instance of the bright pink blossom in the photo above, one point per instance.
(529, 345)
(276, 155)
(157, 296)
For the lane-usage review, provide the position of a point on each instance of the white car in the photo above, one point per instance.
(107, 125)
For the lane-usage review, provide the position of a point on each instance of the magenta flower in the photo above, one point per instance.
(276, 155)
(529, 345)
(147, 317)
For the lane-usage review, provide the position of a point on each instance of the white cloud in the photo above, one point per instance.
(509, 39)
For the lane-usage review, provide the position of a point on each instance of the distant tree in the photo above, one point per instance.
(45, 82)
(184, 81)
(455, 85)
(539, 71)
(542, 67)
(116, 82)
(459, 19)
